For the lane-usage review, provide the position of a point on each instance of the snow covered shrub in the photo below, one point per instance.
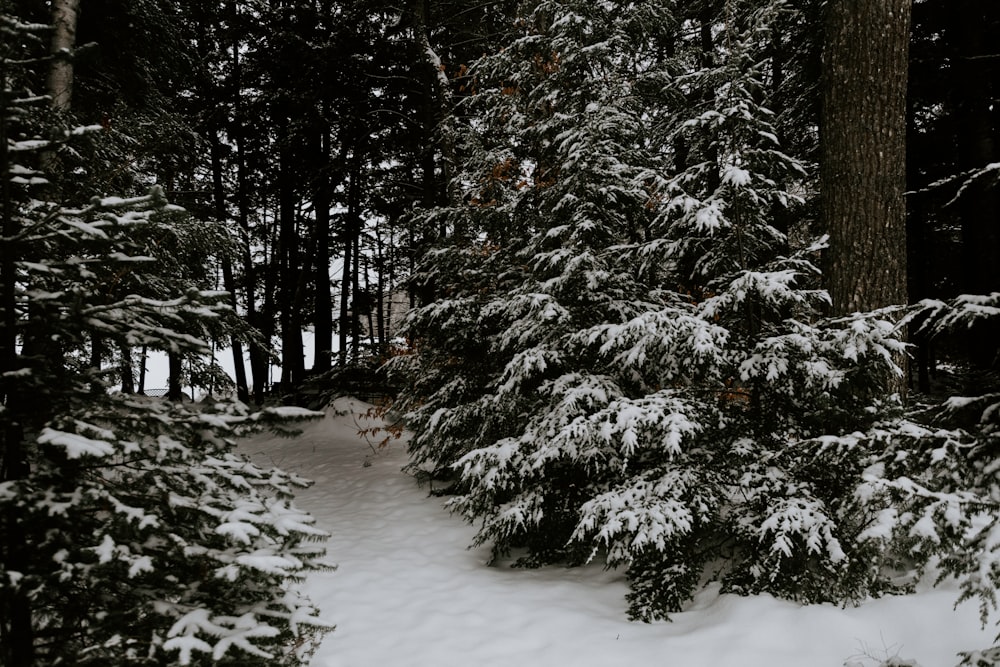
(130, 532)
(652, 380)
(987, 658)
(938, 475)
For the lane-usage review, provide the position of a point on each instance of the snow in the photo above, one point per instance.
(75, 445)
(408, 591)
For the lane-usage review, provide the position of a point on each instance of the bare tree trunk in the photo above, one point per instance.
(323, 298)
(127, 370)
(266, 315)
(356, 302)
(380, 267)
(289, 266)
(863, 149)
(60, 83)
(369, 303)
(228, 279)
(96, 356)
(143, 356)
(352, 227)
(345, 296)
(175, 391)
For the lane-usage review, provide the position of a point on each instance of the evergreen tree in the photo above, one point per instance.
(631, 359)
(131, 533)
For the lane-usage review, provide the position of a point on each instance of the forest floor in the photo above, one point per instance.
(408, 591)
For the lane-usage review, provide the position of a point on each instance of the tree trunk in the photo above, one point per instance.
(323, 297)
(96, 357)
(380, 267)
(266, 319)
(292, 363)
(228, 279)
(60, 83)
(352, 227)
(440, 89)
(175, 391)
(143, 355)
(258, 353)
(863, 149)
(127, 370)
(356, 287)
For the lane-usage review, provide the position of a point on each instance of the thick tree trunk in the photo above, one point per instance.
(863, 148)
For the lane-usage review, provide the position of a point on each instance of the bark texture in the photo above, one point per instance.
(863, 166)
(60, 83)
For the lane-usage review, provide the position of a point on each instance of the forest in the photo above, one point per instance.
(698, 290)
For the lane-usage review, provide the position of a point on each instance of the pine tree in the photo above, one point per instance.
(933, 491)
(631, 360)
(131, 532)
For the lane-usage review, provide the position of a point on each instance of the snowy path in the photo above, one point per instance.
(409, 593)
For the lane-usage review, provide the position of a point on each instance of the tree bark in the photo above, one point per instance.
(863, 149)
(60, 83)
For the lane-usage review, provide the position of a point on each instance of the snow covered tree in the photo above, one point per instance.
(631, 360)
(130, 532)
(936, 483)
(528, 263)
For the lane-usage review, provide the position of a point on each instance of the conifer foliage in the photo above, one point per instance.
(631, 361)
(130, 532)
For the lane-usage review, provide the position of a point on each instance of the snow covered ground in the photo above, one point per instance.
(409, 593)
